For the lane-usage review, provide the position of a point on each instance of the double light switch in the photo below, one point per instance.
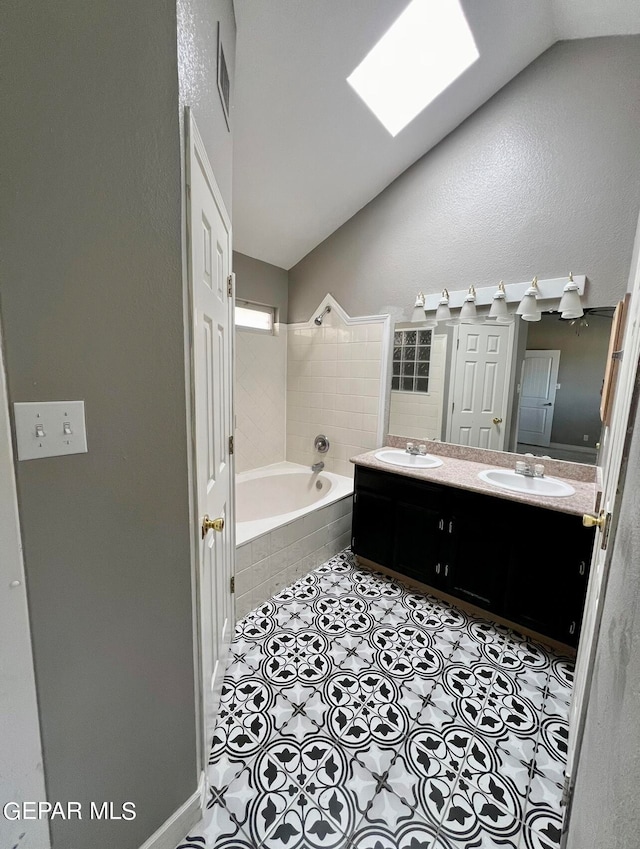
(50, 428)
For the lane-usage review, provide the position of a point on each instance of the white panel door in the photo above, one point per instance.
(480, 370)
(212, 328)
(615, 450)
(538, 396)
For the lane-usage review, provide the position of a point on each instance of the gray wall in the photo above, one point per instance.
(197, 62)
(605, 810)
(262, 282)
(91, 301)
(542, 179)
(582, 363)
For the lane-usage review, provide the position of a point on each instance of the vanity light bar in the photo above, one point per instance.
(548, 290)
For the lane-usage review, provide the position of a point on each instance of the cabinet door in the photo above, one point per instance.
(373, 528)
(548, 573)
(478, 550)
(418, 549)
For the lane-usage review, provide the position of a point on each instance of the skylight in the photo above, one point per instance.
(419, 56)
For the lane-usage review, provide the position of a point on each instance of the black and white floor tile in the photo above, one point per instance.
(357, 713)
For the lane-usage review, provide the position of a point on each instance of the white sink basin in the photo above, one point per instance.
(399, 457)
(508, 479)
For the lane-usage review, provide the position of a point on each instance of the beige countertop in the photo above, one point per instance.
(463, 474)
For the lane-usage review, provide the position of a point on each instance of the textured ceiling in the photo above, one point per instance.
(308, 154)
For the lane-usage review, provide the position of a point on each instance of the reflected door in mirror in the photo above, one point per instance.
(481, 369)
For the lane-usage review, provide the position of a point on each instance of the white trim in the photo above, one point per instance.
(350, 321)
(550, 289)
(175, 829)
(20, 744)
(202, 754)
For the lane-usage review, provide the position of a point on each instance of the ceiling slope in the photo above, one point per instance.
(308, 154)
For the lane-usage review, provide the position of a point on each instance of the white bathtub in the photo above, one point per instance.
(275, 495)
(286, 527)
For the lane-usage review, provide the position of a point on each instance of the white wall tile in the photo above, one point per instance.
(339, 396)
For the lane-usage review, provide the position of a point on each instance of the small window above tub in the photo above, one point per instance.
(257, 318)
(411, 359)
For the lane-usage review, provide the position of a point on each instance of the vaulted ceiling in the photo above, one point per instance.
(308, 154)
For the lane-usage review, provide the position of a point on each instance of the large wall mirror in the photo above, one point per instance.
(520, 386)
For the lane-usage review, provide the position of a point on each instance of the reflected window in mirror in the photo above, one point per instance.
(411, 359)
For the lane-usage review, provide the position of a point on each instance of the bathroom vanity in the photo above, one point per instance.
(524, 559)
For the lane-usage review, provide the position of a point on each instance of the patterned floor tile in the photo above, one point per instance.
(352, 652)
(413, 835)
(357, 713)
(543, 830)
(422, 780)
(492, 809)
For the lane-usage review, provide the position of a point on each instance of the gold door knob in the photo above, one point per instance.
(497, 420)
(591, 521)
(211, 525)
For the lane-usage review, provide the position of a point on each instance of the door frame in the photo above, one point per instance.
(193, 140)
(24, 759)
(616, 443)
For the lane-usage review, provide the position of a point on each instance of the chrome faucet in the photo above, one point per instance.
(317, 467)
(414, 450)
(528, 468)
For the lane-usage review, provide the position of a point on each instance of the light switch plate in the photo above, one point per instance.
(50, 428)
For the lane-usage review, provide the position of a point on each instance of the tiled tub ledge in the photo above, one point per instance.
(276, 559)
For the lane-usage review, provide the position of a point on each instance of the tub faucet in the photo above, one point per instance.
(317, 467)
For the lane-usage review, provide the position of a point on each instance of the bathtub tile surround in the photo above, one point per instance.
(357, 712)
(260, 398)
(335, 385)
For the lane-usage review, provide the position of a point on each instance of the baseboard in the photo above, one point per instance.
(579, 449)
(174, 830)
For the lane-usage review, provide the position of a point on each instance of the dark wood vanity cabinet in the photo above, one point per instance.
(526, 564)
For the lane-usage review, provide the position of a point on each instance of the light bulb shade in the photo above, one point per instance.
(418, 313)
(528, 306)
(532, 316)
(443, 313)
(498, 306)
(468, 311)
(570, 305)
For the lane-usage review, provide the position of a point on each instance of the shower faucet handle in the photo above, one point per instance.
(321, 443)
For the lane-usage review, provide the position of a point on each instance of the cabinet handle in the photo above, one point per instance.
(446, 570)
(441, 524)
(451, 527)
(437, 568)
(572, 627)
(582, 567)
